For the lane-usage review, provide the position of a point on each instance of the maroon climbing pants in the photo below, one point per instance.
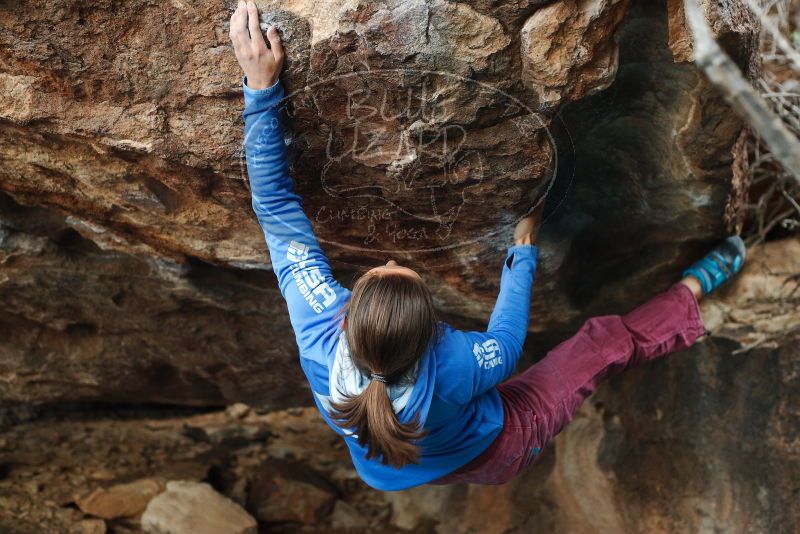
(539, 402)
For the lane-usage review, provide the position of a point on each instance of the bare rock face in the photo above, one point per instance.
(132, 267)
(101, 324)
(569, 49)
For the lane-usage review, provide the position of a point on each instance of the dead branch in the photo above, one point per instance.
(727, 78)
(775, 33)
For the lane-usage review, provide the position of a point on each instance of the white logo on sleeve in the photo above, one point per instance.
(309, 278)
(297, 251)
(487, 354)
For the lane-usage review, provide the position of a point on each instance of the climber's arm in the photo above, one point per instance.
(491, 356)
(508, 324)
(494, 353)
(312, 294)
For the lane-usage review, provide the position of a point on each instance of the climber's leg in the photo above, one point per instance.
(551, 390)
(554, 388)
(539, 402)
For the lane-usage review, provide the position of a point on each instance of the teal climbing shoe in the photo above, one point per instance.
(719, 265)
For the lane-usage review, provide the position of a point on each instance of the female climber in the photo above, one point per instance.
(416, 400)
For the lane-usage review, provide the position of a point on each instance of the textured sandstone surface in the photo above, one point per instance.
(566, 49)
(131, 262)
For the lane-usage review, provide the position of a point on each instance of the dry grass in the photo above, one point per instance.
(774, 207)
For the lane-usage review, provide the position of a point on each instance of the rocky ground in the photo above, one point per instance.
(94, 469)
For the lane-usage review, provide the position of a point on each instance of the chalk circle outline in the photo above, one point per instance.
(461, 243)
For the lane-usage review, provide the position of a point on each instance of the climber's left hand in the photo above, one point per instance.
(527, 229)
(261, 65)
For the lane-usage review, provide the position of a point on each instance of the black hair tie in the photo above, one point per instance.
(377, 376)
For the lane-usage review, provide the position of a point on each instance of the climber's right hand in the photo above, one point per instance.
(261, 65)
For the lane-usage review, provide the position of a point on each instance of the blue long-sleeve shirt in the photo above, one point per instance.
(454, 393)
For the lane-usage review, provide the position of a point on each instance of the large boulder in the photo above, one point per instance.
(133, 269)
